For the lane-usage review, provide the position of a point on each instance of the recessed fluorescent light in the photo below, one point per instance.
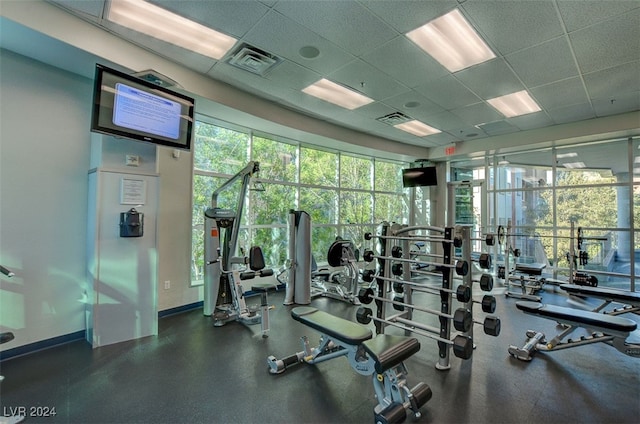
(167, 26)
(418, 128)
(566, 155)
(574, 165)
(452, 41)
(637, 159)
(337, 94)
(515, 104)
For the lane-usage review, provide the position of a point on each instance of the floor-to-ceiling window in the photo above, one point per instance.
(542, 195)
(346, 195)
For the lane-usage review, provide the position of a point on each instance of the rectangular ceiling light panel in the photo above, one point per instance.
(418, 128)
(515, 104)
(337, 94)
(167, 26)
(452, 41)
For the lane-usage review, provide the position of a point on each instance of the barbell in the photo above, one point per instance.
(462, 345)
(579, 239)
(370, 236)
(486, 280)
(462, 318)
(484, 260)
(461, 267)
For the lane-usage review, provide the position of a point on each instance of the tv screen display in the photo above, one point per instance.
(126, 106)
(419, 177)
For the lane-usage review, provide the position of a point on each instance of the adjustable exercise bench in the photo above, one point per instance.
(529, 278)
(630, 300)
(607, 329)
(381, 357)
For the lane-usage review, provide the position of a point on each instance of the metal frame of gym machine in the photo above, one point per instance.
(223, 292)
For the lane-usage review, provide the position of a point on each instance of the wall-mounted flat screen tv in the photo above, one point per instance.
(419, 177)
(129, 107)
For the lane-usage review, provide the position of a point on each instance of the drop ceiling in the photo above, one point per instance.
(578, 59)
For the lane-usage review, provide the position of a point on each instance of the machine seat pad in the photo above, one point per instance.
(264, 287)
(586, 318)
(341, 329)
(388, 351)
(632, 298)
(531, 269)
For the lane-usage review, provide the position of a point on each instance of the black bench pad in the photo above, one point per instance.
(632, 298)
(263, 287)
(586, 318)
(388, 351)
(339, 328)
(531, 269)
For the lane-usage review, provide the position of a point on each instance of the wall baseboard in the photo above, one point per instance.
(42, 345)
(179, 309)
(79, 335)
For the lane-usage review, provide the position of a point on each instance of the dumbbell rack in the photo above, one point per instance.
(393, 236)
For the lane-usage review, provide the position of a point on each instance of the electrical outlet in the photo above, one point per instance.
(167, 285)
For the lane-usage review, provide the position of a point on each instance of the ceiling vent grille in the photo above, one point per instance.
(394, 118)
(253, 60)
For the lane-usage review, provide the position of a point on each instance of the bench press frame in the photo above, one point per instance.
(380, 357)
(611, 330)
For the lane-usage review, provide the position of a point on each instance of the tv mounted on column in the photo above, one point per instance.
(129, 107)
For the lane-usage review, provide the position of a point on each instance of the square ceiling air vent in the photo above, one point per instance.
(253, 60)
(394, 118)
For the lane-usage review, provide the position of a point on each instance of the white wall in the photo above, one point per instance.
(44, 157)
(45, 149)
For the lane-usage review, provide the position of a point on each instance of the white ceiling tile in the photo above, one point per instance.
(89, 7)
(363, 77)
(477, 114)
(579, 14)
(577, 112)
(560, 93)
(498, 127)
(613, 81)
(448, 92)
(283, 37)
(347, 24)
(514, 25)
(547, 62)
(413, 104)
(445, 121)
(531, 121)
(490, 79)
(442, 139)
(292, 75)
(409, 64)
(619, 104)
(609, 43)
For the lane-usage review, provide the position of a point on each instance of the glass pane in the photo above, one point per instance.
(318, 167)
(202, 189)
(524, 208)
(321, 239)
(588, 206)
(517, 176)
(388, 176)
(390, 207)
(274, 244)
(277, 160)
(272, 205)
(421, 207)
(218, 149)
(320, 204)
(355, 172)
(355, 208)
(593, 163)
(355, 233)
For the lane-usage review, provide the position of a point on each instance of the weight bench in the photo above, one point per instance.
(381, 356)
(528, 278)
(630, 300)
(607, 329)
